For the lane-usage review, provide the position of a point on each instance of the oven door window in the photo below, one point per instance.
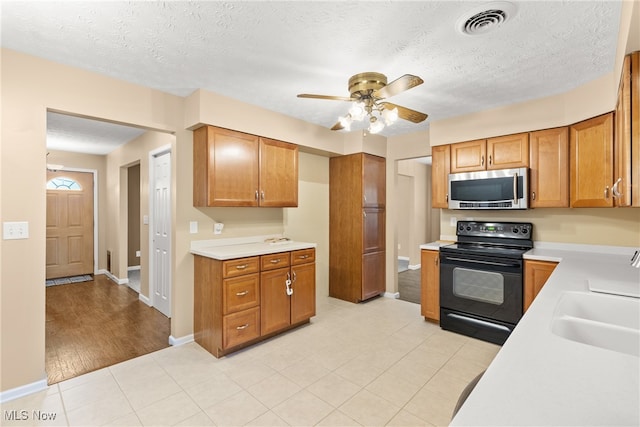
(483, 286)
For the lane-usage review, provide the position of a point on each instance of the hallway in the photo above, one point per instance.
(95, 324)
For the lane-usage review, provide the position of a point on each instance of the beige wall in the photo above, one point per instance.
(134, 218)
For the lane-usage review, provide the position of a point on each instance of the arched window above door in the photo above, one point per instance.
(62, 183)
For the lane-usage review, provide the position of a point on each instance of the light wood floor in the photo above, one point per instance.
(95, 324)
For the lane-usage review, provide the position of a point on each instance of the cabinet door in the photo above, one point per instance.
(623, 150)
(373, 233)
(509, 151)
(536, 274)
(549, 183)
(468, 156)
(278, 173)
(303, 299)
(440, 169)
(591, 162)
(373, 177)
(373, 274)
(233, 168)
(275, 304)
(430, 284)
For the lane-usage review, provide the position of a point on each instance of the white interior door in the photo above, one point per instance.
(161, 226)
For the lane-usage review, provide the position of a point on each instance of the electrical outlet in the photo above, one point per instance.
(15, 230)
(193, 227)
(453, 221)
(138, 254)
(217, 228)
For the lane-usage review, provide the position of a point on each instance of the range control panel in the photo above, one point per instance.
(510, 230)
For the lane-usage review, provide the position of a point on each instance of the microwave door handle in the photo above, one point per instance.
(515, 188)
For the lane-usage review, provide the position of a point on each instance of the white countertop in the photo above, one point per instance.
(224, 249)
(539, 378)
(435, 246)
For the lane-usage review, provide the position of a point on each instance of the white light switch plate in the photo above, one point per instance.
(15, 230)
(193, 227)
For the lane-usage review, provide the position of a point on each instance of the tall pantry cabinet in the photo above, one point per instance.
(356, 226)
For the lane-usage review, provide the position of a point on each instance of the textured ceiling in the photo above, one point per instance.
(264, 53)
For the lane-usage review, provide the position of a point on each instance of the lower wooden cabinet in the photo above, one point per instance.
(430, 284)
(241, 301)
(536, 274)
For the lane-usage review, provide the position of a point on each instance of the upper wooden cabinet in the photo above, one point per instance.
(440, 169)
(549, 174)
(469, 156)
(503, 152)
(232, 168)
(373, 182)
(591, 162)
(626, 186)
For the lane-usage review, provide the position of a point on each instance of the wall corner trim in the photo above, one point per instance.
(145, 299)
(23, 390)
(181, 340)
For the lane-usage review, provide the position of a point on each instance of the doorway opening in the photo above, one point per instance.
(417, 222)
(98, 323)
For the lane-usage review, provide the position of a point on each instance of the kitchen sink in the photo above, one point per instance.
(604, 321)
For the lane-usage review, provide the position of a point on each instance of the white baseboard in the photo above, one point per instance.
(114, 278)
(403, 258)
(180, 341)
(394, 295)
(145, 299)
(133, 267)
(414, 267)
(22, 391)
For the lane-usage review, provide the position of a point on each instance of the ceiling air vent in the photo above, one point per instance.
(484, 18)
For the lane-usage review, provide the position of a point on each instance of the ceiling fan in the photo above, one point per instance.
(368, 90)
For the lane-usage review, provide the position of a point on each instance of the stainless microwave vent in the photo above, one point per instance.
(485, 18)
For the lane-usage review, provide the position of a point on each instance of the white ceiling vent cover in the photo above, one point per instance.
(485, 17)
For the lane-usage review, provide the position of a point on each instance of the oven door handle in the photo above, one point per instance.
(478, 322)
(475, 261)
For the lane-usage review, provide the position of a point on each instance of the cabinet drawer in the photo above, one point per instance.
(240, 266)
(240, 293)
(303, 256)
(273, 261)
(241, 327)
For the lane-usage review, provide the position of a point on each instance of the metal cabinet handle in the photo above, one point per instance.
(303, 256)
(295, 276)
(533, 195)
(490, 160)
(364, 214)
(437, 260)
(615, 191)
(606, 192)
(262, 194)
(245, 326)
(446, 197)
(482, 161)
(242, 267)
(256, 194)
(275, 261)
(241, 294)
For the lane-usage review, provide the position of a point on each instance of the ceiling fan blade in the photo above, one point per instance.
(337, 126)
(397, 86)
(333, 98)
(406, 113)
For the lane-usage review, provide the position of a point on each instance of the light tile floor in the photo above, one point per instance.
(376, 363)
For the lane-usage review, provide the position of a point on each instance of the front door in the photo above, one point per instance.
(69, 224)
(161, 269)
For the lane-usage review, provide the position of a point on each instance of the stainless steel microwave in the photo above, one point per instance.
(494, 189)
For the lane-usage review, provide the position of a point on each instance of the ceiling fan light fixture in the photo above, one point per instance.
(375, 125)
(357, 111)
(346, 121)
(390, 116)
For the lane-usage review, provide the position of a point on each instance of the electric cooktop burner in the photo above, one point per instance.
(504, 239)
